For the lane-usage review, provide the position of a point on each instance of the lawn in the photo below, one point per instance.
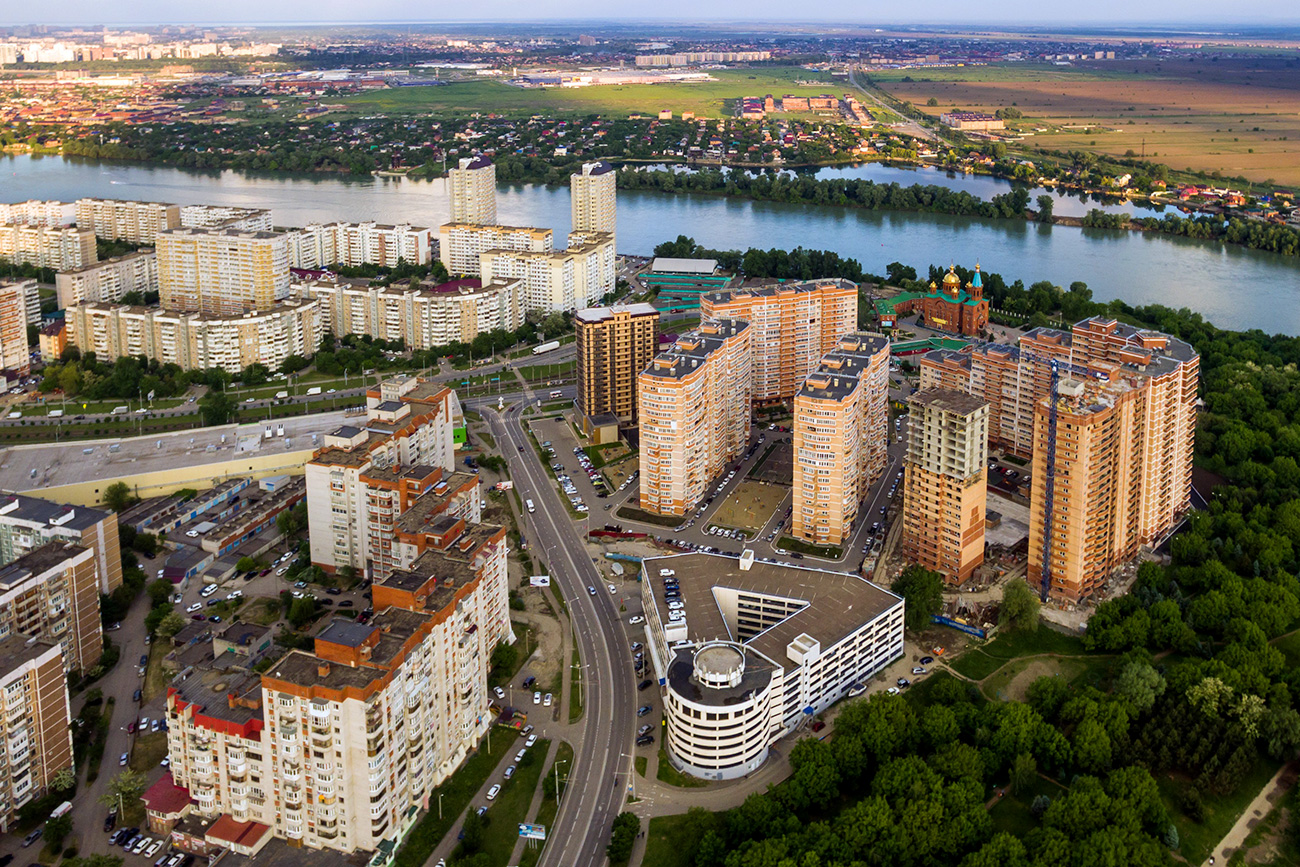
(830, 552)
(1197, 840)
(525, 640)
(550, 806)
(148, 752)
(576, 690)
(666, 773)
(662, 843)
(632, 513)
(1013, 815)
(975, 664)
(511, 806)
(263, 611)
(155, 677)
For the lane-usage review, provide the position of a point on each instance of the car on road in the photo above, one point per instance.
(918, 670)
(926, 660)
(32, 837)
(519, 756)
(591, 591)
(613, 589)
(494, 791)
(643, 685)
(122, 760)
(110, 821)
(903, 683)
(137, 695)
(153, 848)
(643, 710)
(197, 606)
(500, 693)
(537, 698)
(528, 682)
(644, 729)
(140, 846)
(214, 619)
(893, 690)
(527, 730)
(818, 725)
(633, 621)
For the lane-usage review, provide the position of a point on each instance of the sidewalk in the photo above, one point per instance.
(1254, 812)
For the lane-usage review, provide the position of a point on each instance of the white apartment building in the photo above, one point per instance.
(473, 191)
(57, 247)
(53, 592)
(35, 722)
(461, 244)
(226, 217)
(320, 245)
(108, 280)
(222, 271)
(756, 650)
(35, 212)
(560, 280)
(123, 220)
(593, 198)
(28, 523)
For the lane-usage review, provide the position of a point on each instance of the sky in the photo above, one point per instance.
(1114, 13)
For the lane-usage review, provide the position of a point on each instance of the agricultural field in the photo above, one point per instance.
(1237, 116)
(706, 98)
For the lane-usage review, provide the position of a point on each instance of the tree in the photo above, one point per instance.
(127, 786)
(623, 837)
(171, 624)
(302, 612)
(57, 830)
(503, 659)
(64, 780)
(473, 829)
(922, 591)
(246, 563)
(160, 591)
(1024, 770)
(216, 407)
(1045, 204)
(1141, 685)
(118, 496)
(1019, 607)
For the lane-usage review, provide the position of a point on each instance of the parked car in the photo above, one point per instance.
(500, 693)
(546, 702)
(510, 772)
(494, 791)
(643, 710)
(537, 698)
(121, 762)
(645, 740)
(643, 685)
(32, 837)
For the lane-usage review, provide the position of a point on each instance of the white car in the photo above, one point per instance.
(193, 534)
(235, 594)
(197, 606)
(153, 848)
(494, 791)
(532, 739)
(675, 605)
(546, 702)
(140, 847)
(537, 698)
(613, 589)
(500, 693)
(633, 621)
(208, 591)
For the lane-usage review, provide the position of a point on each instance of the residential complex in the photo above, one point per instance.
(230, 217)
(52, 592)
(841, 428)
(756, 650)
(197, 341)
(35, 213)
(460, 244)
(473, 191)
(57, 247)
(28, 523)
(694, 404)
(945, 482)
(559, 280)
(320, 245)
(613, 344)
(593, 198)
(222, 272)
(121, 220)
(36, 725)
(341, 747)
(793, 324)
(15, 354)
(53, 339)
(108, 280)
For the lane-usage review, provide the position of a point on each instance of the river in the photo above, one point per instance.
(1231, 286)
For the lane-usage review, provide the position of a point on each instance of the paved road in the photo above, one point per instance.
(908, 125)
(603, 742)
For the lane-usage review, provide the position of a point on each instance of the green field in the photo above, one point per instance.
(663, 847)
(1198, 839)
(705, 98)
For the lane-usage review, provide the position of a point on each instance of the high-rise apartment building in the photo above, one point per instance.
(614, 344)
(841, 428)
(593, 198)
(15, 354)
(793, 324)
(461, 244)
(121, 220)
(57, 247)
(35, 213)
(27, 523)
(945, 482)
(560, 280)
(36, 723)
(341, 747)
(694, 403)
(231, 217)
(108, 280)
(52, 593)
(222, 272)
(320, 245)
(474, 191)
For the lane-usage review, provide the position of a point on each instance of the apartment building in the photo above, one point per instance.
(108, 280)
(945, 482)
(53, 339)
(122, 220)
(560, 280)
(473, 192)
(231, 217)
(28, 523)
(320, 245)
(36, 723)
(197, 341)
(841, 428)
(401, 501)
(52, 592)
(15, 354)
(222, 272)
(57, 247)
(614, 344)
(341, 748)
(461, 244)
(408, 425)
(793, 324)
(694, 404)
(423, 315)
(593, 198)
(35, 213)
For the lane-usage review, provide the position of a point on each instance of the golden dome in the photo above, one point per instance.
(951, 279)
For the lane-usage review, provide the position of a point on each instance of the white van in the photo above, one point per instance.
(529, 504)
(281, 395)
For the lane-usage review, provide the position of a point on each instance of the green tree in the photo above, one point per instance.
(1045, 204)
(623, 837)
(246, 563)
(171, 624)
(118, 496)
(1141, 685)
(127, 785)
(217, 407)
(472, 841)
(57, 830)
(1024, 770)
(1019, 607)
(302, 612)
(922, 590)
(160, 591)
(64, 780)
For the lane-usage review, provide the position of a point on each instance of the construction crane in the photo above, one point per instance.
(1049, 486)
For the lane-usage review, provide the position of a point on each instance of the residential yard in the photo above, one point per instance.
(263, 611)
(666, 773)
(749, 506)
(148, 752)
(511, 806)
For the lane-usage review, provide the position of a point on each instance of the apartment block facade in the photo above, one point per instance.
(560, 280)
(794, 325)
(945, 482)
(34, 212)
(230, 217)
(28, 523)
(841, 428)
(197, 341)
(461, 244)
(122, 220)
(222, 272)
(52, 593)
(593, 198)
(15, 354)
(694, 403)
(108, 280)
(36, 722)
(473, 192)
(57, 247)
(614, 344)
(320, 245)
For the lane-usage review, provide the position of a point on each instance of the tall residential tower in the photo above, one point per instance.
(593, 198)
(474, 191)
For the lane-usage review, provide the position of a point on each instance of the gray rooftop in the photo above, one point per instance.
(948, 400)
(673, 265)
(346, 632)
(24, 508)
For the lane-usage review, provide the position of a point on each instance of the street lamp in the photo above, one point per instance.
(556, 766)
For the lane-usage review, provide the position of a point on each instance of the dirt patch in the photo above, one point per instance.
(1016, 689)
(617, 473)
(749, 506)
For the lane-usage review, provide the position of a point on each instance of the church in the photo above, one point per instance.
(950, 307)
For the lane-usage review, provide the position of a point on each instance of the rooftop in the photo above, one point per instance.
(17, 649)
(395, 626)
(693, 349)
(947, 400)
(346, 632)
(599, 314)
(42, 559)
(674, 265)
(774, 290)
(20, 507)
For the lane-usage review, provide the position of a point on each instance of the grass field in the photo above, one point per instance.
(1197, 840)
(1238, 116)
(705, 98)
(666, 773)
(662, 849)
(511, 806)
(550, 806)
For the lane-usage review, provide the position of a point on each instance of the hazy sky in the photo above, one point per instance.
(1114, 13)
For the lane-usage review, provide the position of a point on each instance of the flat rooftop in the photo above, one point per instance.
(948, 400)
(600, 314)
(395, 626)
(672, 265)
(836, 603)
(39, 560)
(25, 508)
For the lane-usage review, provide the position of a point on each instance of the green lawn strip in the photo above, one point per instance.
(666, 773)
(550, 806)
(975, 664)
(148, 751)
(1012, 813)
(632, 513)
(1197, 840)
(993, 686)
(456, 792)
(663, 843)
(576, 688)
(790, 543)
(754, 470)
(526, 641)
(511, 806)
(558, 370)
(641, 764)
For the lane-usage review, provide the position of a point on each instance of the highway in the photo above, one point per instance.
(603, 748)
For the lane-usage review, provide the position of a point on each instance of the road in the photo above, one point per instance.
(907, 126)
(604, 744)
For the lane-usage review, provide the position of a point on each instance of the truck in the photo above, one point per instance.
(121, 410)
(281, 395)
(546, 347)
(62, 810)
(315, 389)
(56, 413)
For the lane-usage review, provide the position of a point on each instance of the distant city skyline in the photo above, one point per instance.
(1186, 15)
